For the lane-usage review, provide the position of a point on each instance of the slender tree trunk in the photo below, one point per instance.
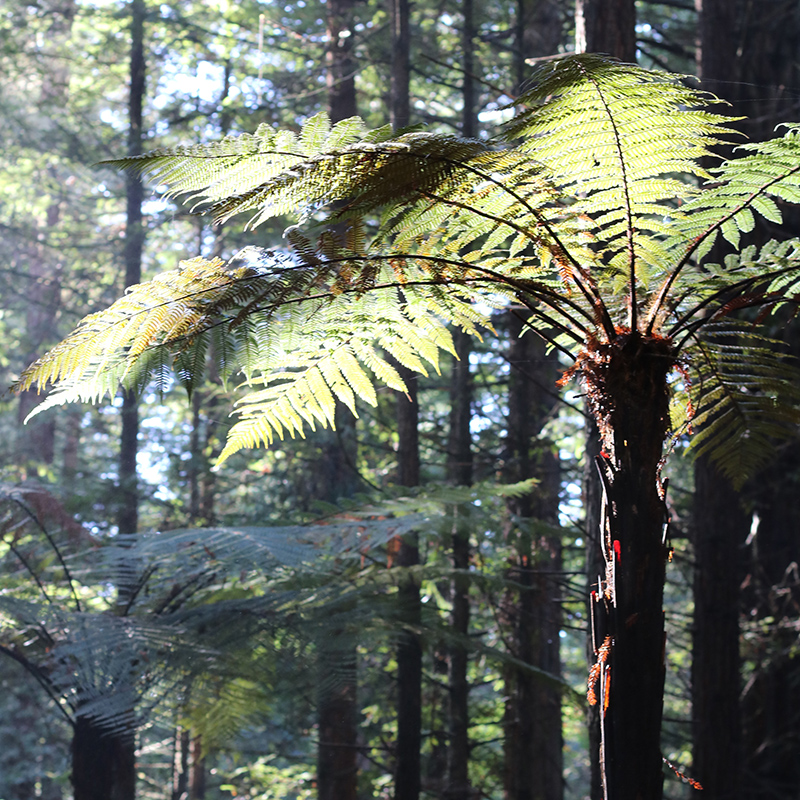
(625, 383)
(533, 760)
(407, 781)
(340, 62)
(459, 472)
(409, 649)
(533, 738)
(336, 477)
(606, 26)
(401, 64)
(720, 530)
(101, 759)
(128, 514)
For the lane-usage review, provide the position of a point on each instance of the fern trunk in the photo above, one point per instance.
(103, 764)
(626, 382)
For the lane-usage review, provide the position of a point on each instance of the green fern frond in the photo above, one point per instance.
(745, 392)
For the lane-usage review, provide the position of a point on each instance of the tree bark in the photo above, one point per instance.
(606, 26)
(128, 512)
(103, 764)
(112, 757)
(336, 477)
(409, 648)
(533, 760)
(340, 63)
(625, 383)
(719, 532)
(401, 64)
(459, 469)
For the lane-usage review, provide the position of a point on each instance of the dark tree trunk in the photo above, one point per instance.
(340, 63)
(128, 509)
(625, 383)
(533, 738)
(95, 751)
(401, 64)
(539, 28)
(409, 649)
(103, 764)
(336, 477)
(533, 760)
(606, 26)
(719, 532)
(459, 470)
(593, 509)
(337, 766)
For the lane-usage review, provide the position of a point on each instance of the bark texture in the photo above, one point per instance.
(533, 760)
(606, 26)
(459, 469)
(103, 764)
(625, 383)
(719, 532)
(409, 648)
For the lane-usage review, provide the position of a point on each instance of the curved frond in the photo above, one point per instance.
(615, 137)
(745, 392)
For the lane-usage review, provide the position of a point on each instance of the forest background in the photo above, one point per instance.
(259, 645)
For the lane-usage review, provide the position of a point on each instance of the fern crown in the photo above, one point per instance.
(592, 210)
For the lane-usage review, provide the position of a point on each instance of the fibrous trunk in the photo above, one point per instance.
(103, 763)
(626, 386)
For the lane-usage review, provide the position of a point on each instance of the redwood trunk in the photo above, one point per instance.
(606, 26)
(627, 390)
(409, 648)
(720, 530)
(459, 469)
(533, 741)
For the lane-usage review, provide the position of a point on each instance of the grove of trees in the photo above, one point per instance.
(505, 505)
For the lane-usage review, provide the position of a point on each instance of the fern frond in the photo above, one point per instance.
(746, 394)
(630, 132)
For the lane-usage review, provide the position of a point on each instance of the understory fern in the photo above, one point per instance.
(593, 208)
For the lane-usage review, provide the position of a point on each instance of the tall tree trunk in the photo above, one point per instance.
(593, 511)
(401, 64)
(609, 26)
(459, 470)
(128, 513)
(94, 749)
(746, 54)
(533, 760)
(36, 440)
(719, 532)
(407, 779)
(606, 26)
(533, 738)
(340, 63)
(409, 649)
(337, 762)
(771, 700)
(625, 383)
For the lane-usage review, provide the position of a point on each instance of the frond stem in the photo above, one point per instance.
(632, 319)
